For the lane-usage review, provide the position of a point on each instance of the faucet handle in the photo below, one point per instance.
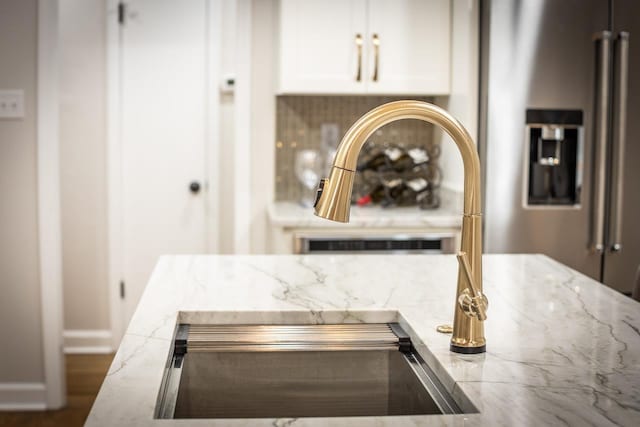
(473, 302)
(319, 191)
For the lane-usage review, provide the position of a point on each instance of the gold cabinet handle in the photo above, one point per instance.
(376, 54)
(359, 47)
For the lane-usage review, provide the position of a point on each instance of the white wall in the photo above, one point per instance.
(463, 100)
(263, 113)
(260, 165)
(83, 174)
(21, 359)
(228, 68)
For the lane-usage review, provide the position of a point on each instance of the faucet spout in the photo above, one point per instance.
(333, 201)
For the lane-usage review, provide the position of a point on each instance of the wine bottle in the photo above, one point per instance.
(390, 158)
(374, 160)
(394, 189)
(418, 155)
(374, 196)
(412, 190)
(384, 193)
(399, 159)
(428, 199)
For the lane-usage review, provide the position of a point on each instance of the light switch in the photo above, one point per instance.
(11, 104)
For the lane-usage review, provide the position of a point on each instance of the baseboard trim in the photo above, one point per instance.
(96, 349)
(87, 341)
(23, 397)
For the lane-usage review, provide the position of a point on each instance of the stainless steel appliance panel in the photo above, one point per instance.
(620, 266)
(291, 371)
(300, 384)
(394, 242)
(541, 55)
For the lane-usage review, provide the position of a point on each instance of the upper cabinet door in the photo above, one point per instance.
(412, 42)
(322, 46)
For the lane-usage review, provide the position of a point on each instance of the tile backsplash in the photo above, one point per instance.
(310, 122)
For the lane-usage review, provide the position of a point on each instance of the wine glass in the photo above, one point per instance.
(308, 166)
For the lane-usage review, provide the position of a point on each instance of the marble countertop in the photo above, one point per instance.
(448, 215)
(562, 349)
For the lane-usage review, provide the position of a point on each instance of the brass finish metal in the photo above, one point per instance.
(376, 55)
(334, 201)
(445, 329)
(472, 301)
(359, 47)
(340, 184)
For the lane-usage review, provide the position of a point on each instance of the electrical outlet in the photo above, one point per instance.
(11, 104)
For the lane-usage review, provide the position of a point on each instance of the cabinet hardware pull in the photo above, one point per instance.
(376, 54)
(359, 46)
(603, 95)
(619, 139)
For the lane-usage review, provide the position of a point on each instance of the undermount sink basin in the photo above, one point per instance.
(293, 371)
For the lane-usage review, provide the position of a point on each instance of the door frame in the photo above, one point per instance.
(48, 193)
(115, 219)
(242, 129)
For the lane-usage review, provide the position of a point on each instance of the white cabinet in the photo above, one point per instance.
(365, 47)
(414, 46)
(319, 51)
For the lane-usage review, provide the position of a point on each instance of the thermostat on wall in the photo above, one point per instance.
(12, 104)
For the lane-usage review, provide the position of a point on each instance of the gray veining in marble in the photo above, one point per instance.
(562, 348)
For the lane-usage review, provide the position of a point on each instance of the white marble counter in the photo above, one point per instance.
(561, 348)
(448, 215)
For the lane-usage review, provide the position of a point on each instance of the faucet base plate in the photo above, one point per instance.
(468, 350)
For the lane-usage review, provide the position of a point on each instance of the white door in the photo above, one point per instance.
(414, 45)
(163, 134)
(322, 46)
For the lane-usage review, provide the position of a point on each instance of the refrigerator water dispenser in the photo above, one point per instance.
(554, 165)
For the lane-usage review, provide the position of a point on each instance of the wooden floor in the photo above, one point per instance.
(85, 373)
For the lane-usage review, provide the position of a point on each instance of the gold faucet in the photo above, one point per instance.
(333, 201)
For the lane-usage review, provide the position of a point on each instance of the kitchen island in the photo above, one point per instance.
(562, 349)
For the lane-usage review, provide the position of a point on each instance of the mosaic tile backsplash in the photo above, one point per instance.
(319, 122)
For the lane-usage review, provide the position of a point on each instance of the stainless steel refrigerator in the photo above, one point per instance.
(560, 132)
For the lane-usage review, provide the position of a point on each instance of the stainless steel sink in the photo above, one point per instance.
(298, 371)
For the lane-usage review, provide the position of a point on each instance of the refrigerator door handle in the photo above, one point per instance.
(603, 99)
(619, 140)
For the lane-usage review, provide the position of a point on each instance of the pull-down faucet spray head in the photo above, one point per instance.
(333, 201)
(339, 185)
